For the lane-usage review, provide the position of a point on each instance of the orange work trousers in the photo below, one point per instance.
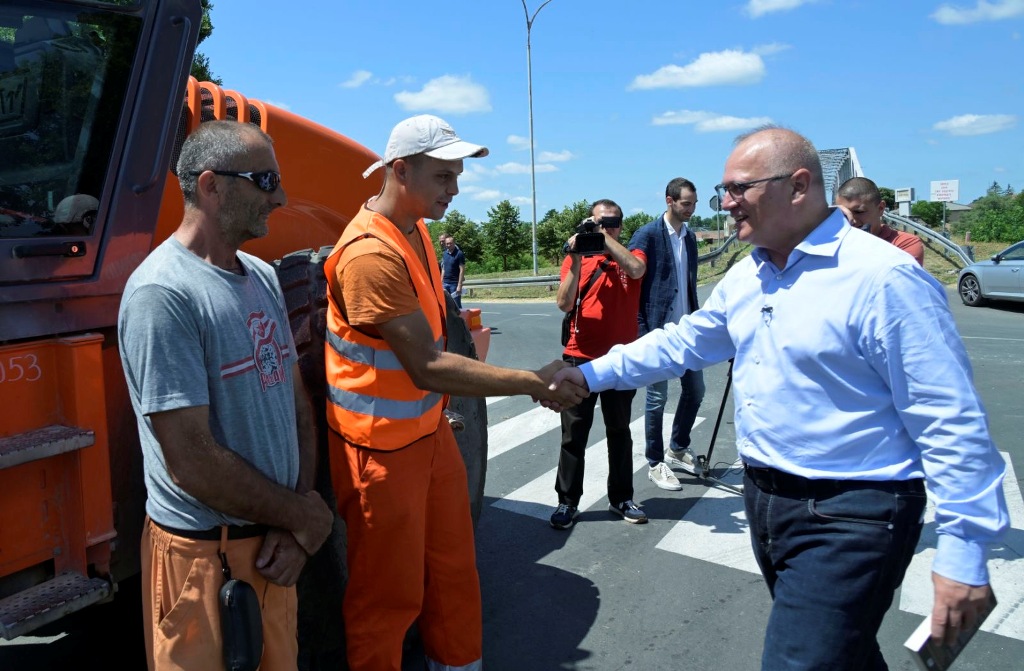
(181, 580)
(411, 554)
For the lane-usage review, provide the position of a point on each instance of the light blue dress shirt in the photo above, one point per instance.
(847, 365)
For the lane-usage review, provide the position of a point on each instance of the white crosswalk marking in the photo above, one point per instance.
(520, 429)
(1004, 566)
(537, 498)
(715, 528)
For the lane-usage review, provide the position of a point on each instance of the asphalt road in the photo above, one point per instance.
(682, 592)
(677, 593)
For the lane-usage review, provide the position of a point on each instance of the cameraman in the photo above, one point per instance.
(603, 314)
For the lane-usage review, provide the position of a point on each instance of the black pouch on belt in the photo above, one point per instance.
(241, 621)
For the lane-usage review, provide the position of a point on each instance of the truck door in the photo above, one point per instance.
(77, 81)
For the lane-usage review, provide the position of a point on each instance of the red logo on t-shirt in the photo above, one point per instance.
(266, 353)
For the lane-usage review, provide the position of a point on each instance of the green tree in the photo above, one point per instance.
(993, 218)
(631, 223)
(889, 196)
(994, 190)
(557, 228)
(930, 212)
(466, 234)
(200, 62)
(1008, 191)
(507, 238)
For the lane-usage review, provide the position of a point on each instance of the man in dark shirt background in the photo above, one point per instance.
(453, 269)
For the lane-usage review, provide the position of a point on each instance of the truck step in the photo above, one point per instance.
(49, 601)
(42, 443)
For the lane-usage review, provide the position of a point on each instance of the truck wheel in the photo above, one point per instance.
(321, 587)
(473, 439)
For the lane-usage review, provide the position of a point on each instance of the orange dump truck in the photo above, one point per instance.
(95, 102)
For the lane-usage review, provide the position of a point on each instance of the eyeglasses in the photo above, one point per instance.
(266, 180)
(737, 189)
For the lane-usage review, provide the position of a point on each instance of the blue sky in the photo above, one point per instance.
(627, 95)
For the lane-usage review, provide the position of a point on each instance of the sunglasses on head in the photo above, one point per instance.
(265, 180)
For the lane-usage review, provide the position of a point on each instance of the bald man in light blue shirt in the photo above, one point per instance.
(852, 389)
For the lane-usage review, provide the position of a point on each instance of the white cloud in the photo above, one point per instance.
(522, 200)
(448, 94)
(486, 194)
(556, 156)
(523, 168)
(999, 169)
(757, 8)
(976, 124)
(951, 15)
(719, 68)
(709, 122)
(358, 78)
(519, 142)
(770, 49)
(284, 106)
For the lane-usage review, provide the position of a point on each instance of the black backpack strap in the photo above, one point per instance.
(602, 266)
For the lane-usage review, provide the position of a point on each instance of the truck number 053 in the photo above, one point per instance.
(23, 368)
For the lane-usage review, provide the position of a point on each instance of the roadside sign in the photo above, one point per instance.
(946, 190)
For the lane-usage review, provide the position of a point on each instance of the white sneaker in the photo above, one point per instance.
(662, 476)
(684, 459)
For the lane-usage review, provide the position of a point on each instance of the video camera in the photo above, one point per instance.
(589, 240)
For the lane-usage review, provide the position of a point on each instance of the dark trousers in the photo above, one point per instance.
(832, 553)
(691, 394)
(576, 423)
(450, 288)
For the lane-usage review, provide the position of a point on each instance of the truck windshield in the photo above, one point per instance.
(62, 83)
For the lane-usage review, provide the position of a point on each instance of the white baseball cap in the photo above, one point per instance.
(430, 135)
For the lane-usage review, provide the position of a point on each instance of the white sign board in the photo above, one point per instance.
(904, 195)
(946, 190)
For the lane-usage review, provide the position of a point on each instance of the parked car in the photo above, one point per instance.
(1000, 278)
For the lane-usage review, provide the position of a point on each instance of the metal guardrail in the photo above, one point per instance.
(552, 281)
(963, 254)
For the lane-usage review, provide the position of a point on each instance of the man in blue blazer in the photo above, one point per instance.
(668, 292)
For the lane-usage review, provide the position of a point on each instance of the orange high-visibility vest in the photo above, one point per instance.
(371, 400)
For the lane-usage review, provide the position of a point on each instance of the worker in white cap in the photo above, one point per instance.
(397, 471)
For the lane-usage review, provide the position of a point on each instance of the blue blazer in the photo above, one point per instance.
(660, 287)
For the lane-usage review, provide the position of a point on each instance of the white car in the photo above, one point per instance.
(1000, 278)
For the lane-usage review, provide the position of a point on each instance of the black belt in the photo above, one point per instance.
(234, 532)
(774, 481)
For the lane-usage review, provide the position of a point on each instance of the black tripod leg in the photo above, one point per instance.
(718, 422)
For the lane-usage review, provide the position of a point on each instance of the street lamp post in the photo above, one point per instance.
(529, 86)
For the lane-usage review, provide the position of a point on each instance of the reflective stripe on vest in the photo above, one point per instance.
(381, 359)
(382, 408)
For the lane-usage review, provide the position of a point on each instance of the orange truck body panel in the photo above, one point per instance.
(321, 173)
(56, 506)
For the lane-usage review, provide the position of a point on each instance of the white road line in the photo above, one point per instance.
(495, 399)
(1005, 567)
(988, 338)
(537, 498)
(520, 429)
(715, 530)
